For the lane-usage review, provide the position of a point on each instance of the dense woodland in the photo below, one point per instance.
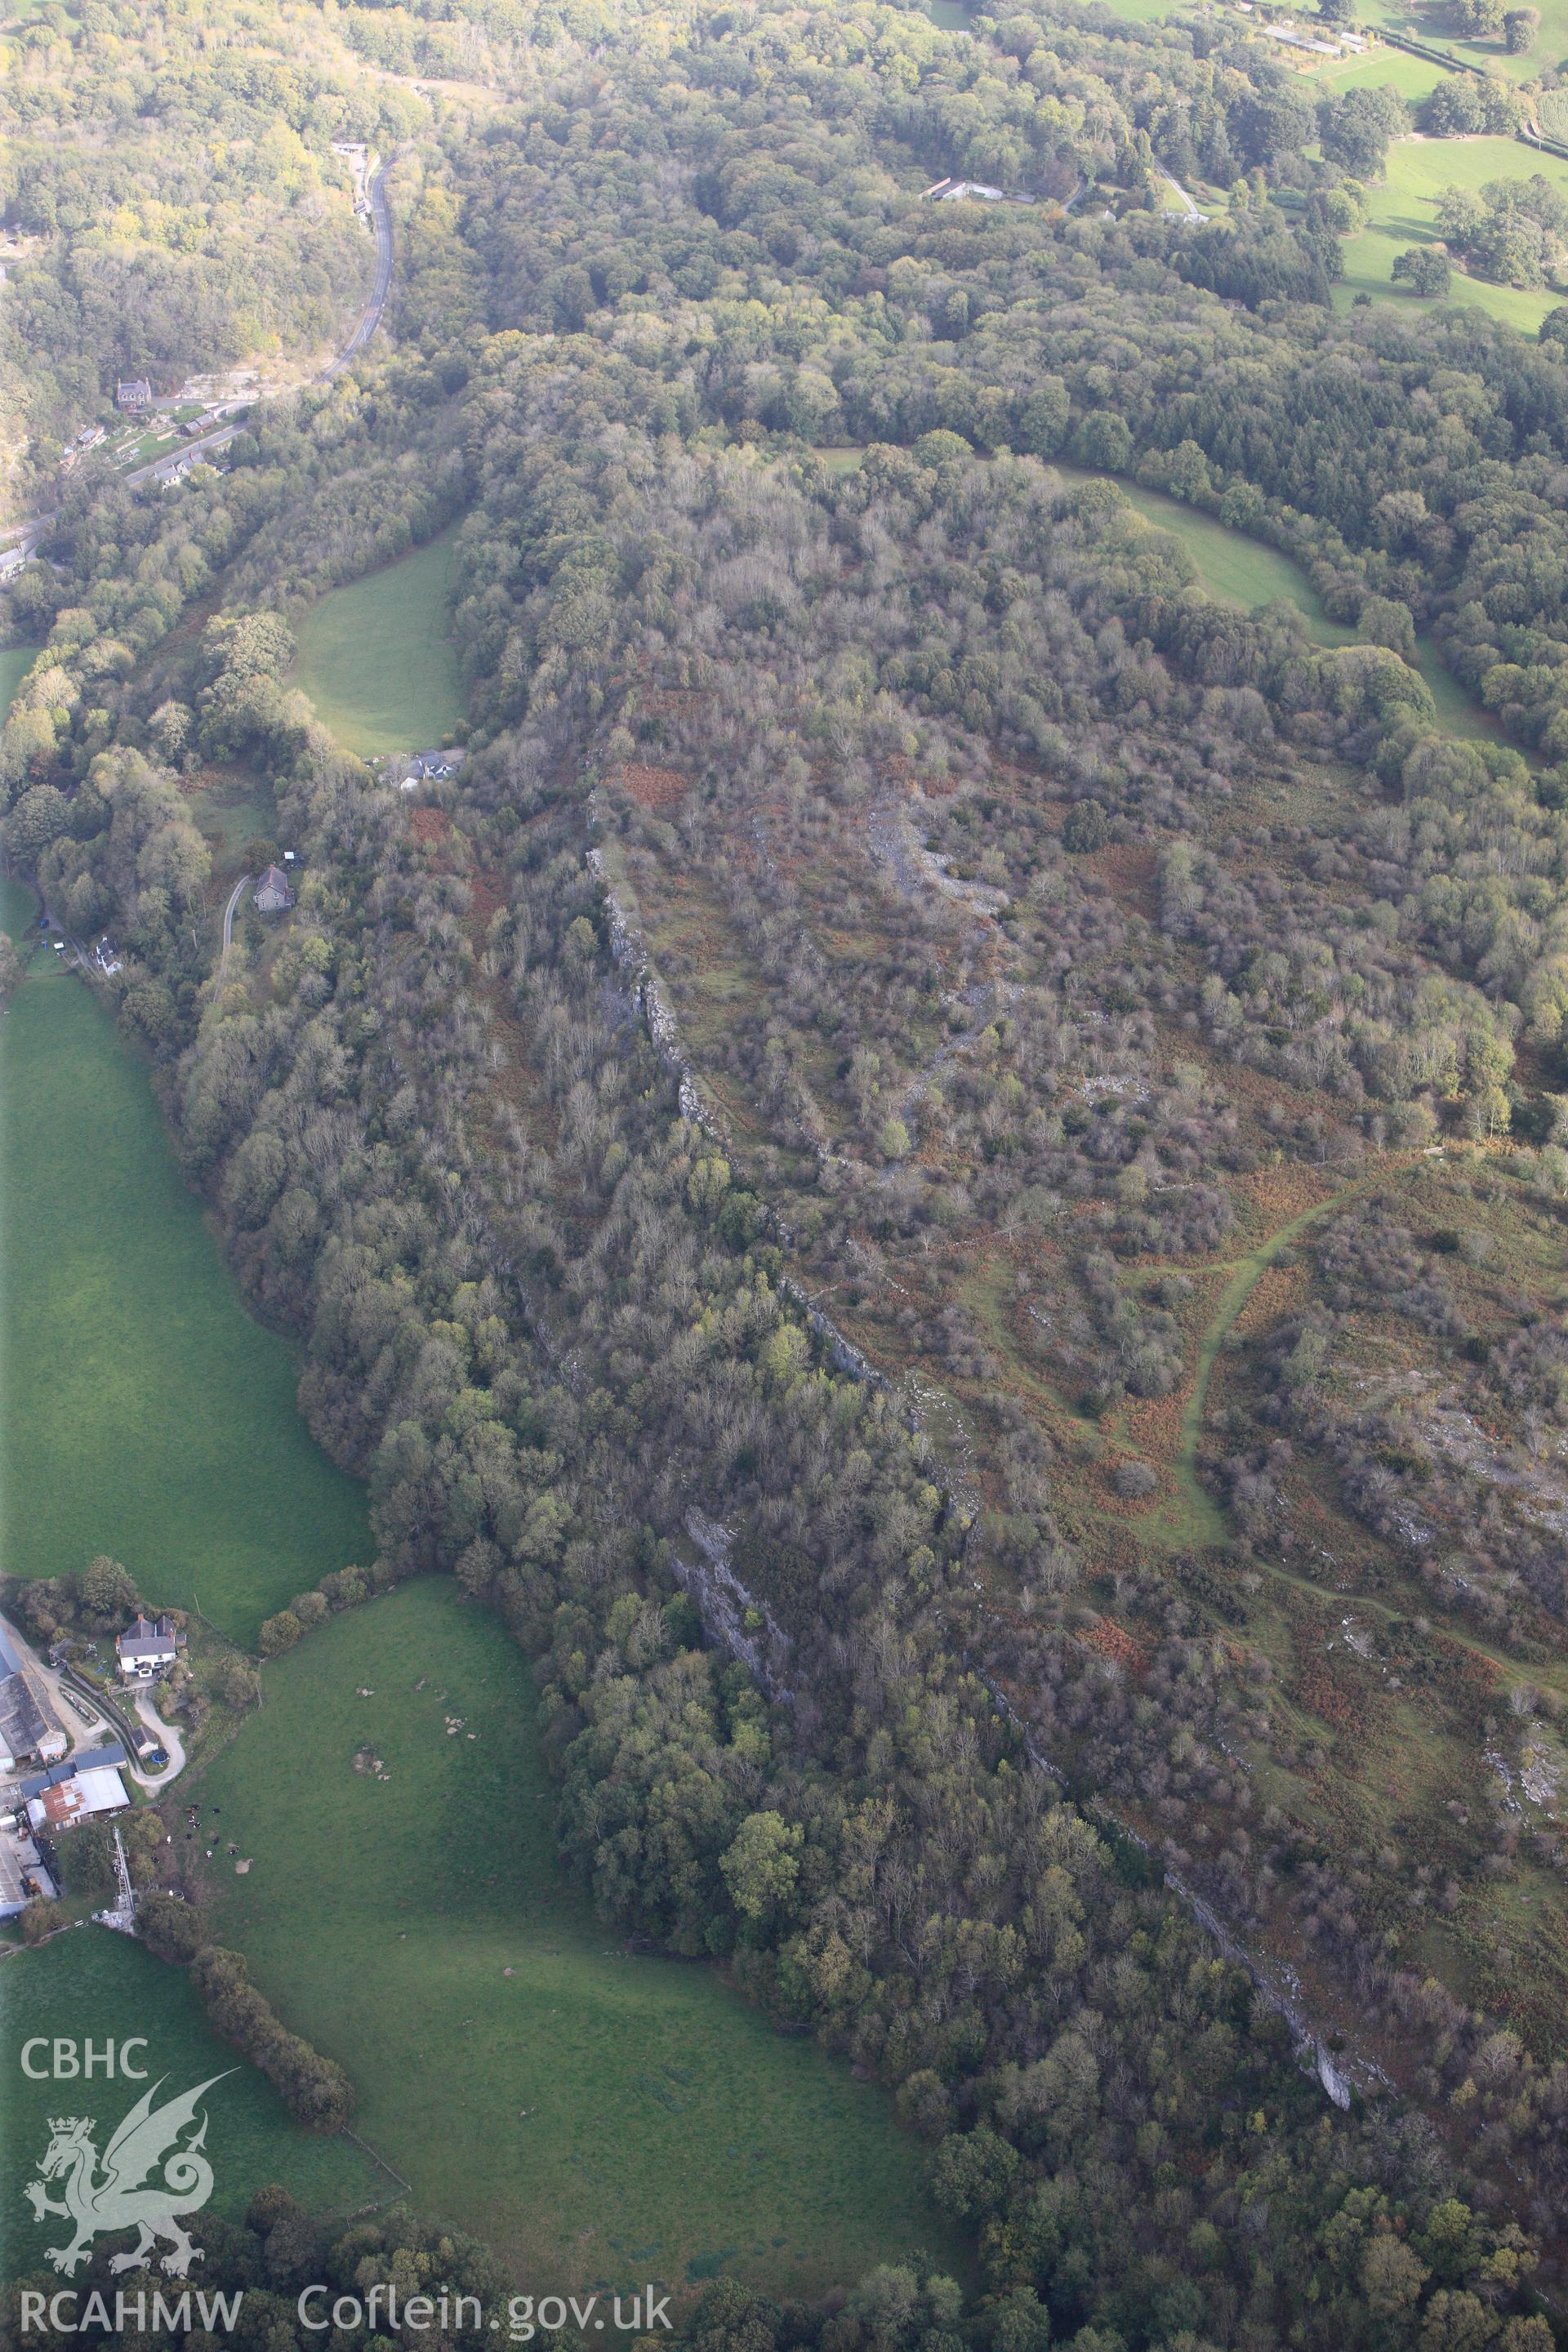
(169, 177)
(753, 1161)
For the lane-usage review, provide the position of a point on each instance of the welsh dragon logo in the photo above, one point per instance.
(115, 2192)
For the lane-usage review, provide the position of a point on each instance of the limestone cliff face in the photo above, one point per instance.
(724, 1605)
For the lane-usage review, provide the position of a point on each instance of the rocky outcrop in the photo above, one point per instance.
(1280, 1995)
(1339, 2079)
(630, 955)
(733, 1618)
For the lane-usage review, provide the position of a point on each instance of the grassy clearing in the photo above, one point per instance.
(596, 2118)
(18, 911)
(15, 661)
(1229, 564)
(1243, 571)
(1456, 711)
(232, 811)
(1370, 257)
(146, 1415)
(93, 1984)
(1403, 213)
(377, 657)
(1246, 571)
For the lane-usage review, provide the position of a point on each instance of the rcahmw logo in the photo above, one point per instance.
(147, 2178)
(66, 2313)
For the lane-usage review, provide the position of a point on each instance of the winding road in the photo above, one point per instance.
(382, 215)
(27, 535)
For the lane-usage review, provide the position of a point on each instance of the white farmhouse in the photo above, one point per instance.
(149, 1646)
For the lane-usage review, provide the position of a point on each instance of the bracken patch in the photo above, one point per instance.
(657, 788)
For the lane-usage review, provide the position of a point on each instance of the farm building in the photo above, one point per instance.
(23, 1873)
(30, 1731)
(82, 1789)
(148, 1646)
(948, 192)
(273, 895)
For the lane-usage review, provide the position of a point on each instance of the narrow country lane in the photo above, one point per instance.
(229, 915)
(368, 324)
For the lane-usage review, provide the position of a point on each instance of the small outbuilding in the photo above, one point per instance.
(430, 767)
(979, 192)
(273, 893)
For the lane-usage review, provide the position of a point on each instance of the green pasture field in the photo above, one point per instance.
(1403, 213)
(1419, 169)
(92, 1984)
(1229, 564)
(1144, 12)
(147, 1415)
(1431, 22)
(598, 2119)
(377, 659)
(1414, 78)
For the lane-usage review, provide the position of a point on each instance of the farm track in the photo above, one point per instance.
(1246, 1273)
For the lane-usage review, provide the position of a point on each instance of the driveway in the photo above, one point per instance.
(1183, 199)
(166, 1734)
